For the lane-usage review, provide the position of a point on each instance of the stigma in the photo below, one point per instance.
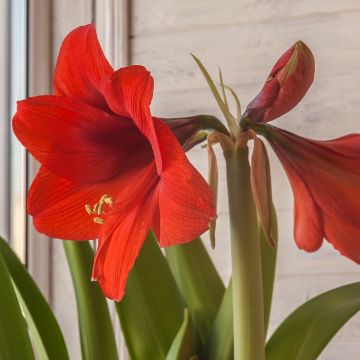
(98, 208)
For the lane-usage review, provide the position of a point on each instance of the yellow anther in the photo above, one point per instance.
(108, 200)
(98, 220)
(88, 209)
(100, 208)
(94, 211)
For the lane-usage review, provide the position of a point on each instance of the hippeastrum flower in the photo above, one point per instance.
(325, 178)
(286, 85)
(324, 175)
(109, 169)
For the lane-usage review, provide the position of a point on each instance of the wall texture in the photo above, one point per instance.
(245, 38)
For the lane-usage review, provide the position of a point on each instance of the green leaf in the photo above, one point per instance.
(151, 311)
(220, 343)
(14, 338)
(46, 334)
(198, 281)
(96, 329)
(234, 128)
(306, 332)
(268, 263)
(237, 102)
(183, 346)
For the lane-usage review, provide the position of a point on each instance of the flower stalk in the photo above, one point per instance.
(248, 310)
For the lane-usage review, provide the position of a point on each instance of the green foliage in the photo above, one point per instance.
(199, 283)
(14, 339)
(44, 329)
(151, 311)
(183, 346)
(306, 332)
(96, 329)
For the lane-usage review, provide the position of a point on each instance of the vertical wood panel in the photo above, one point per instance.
(4, 122)
(39, 83)
(18, 156)
(66, 15)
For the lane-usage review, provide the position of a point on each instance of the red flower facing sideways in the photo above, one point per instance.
(324, 175)
(109, 169)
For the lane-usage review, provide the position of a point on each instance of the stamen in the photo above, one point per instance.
(95, 208)
(98, 220)
(88, 209)
(98, 208)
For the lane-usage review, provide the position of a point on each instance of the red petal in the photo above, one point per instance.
(77, 141)
(325, 176)
(123, 234)
(186, 204)
(308, 228)
(128, 93)
(343, 237)
(58, 207)
(117, 254)
(80, 67)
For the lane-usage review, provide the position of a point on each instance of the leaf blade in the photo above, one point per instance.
(12, 323)
(198, 281)
(150, 287)
(96, 330)
(47, 336)
(319, 318)
(183, 346)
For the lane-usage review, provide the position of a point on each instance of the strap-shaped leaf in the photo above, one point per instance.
(306, 332)
(14, 339)
(220, 343)
(46, 334)
(96, 329)
(268, 265)
(233, 126)
(183, 346)
(151, 311)
(199, 283)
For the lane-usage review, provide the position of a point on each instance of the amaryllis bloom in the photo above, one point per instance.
(324, 175)
(109, 170)
(286, 85)
(325, 178)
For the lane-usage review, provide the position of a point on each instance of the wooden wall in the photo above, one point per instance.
(244, 37)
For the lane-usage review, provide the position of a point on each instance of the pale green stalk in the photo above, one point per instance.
(248, 312)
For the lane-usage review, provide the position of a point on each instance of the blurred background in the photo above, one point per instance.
(245, 38)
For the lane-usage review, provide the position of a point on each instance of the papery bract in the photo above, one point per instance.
(286, 85)
(109, 169)
(325, 178)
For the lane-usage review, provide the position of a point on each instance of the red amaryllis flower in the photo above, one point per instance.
(324, 175)
(286, 85)
(109, 169)
(325, 178)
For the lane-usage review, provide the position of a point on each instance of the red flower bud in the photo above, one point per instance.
(287, 84)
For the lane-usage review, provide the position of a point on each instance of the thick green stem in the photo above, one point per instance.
(248, 311)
